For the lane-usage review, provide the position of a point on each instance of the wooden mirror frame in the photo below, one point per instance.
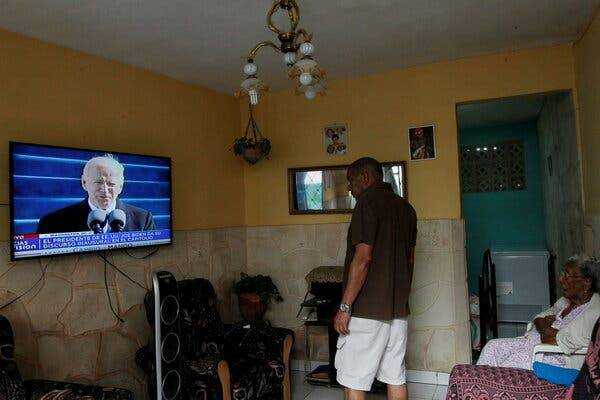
(292, 193)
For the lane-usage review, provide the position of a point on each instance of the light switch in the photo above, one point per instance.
(504, 288)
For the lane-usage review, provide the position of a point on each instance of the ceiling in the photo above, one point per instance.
(510, 110)
(204, 41)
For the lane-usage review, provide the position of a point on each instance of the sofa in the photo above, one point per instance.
(474, 382)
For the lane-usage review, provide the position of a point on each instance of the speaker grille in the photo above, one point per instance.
(169, 310)
(171, 384)
(170, 347)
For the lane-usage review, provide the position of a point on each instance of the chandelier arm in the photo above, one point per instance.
(294, 14)
(259, 46)
(270, 23)
(305, 35)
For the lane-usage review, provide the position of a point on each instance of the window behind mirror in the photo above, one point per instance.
(322, 190)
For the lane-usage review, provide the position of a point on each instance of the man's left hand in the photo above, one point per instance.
(341, 321)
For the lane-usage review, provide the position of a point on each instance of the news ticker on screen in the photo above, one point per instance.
(33, 244)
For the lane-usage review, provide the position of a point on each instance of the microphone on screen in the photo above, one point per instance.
(116, 220)
(96, 221)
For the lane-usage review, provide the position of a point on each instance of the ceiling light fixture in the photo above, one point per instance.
(297, 49)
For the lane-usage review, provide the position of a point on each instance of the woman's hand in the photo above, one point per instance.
(548, 336)
(549, 320)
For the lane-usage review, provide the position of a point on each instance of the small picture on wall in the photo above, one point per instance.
(335, 139)
(422, 142)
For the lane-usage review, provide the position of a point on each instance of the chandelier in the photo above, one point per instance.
(297, 50)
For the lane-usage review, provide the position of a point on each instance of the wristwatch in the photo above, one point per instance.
(345, 308)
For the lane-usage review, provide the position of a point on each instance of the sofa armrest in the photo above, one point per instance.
(552, 348)
(574, 360)
(225, 379)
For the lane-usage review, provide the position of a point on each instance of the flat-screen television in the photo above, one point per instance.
(66, 200)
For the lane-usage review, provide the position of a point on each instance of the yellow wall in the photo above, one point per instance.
(587, 64)
(378, 110)
(53, 95)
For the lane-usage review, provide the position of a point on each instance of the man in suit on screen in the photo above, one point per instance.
(103, 179)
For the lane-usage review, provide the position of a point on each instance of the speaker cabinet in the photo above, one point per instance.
(167, 337)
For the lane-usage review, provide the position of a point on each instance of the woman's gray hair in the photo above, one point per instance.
(590, 268)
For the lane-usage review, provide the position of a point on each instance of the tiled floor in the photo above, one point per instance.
(303, 391)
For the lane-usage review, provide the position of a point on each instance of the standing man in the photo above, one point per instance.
(372, 319)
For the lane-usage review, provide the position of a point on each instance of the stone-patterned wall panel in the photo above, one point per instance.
(417, 344)
(53, 297)
(90, 271)
(129, 293)
(117, 352)
(441, 350)
(434, 235)
(331, 243)
(439, 285)
(136, 325)
(64, 327)
(88, 310)
(63, 357)
(433, 306)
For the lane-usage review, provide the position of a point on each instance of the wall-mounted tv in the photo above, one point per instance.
(66, 200)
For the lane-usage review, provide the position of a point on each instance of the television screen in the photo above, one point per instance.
(66, 200)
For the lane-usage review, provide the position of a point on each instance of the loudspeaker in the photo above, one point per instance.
(167, 336)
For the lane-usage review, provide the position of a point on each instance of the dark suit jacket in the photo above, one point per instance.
(74, 218)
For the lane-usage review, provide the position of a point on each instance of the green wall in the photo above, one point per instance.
(511, 220)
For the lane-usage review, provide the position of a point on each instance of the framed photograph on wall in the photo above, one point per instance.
(421, 141)
(335, 139)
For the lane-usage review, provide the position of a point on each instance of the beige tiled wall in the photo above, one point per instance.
(64, 328)
(439, 325)
(66, 331)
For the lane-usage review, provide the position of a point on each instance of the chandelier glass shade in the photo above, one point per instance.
(295, 46)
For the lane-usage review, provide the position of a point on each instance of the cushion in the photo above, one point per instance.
(554, 374)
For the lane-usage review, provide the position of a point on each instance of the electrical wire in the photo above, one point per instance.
(25, 293)
(108, 292)
(150, 254)
(106, 261)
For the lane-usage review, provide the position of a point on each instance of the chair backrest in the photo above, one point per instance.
(7, 341)
(11, 382)
(488, 302)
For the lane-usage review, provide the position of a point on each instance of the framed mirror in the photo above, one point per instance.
(324, 190)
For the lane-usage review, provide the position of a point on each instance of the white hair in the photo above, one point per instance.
(590, 268)
(107, 160)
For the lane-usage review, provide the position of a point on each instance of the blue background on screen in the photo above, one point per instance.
(46, 179)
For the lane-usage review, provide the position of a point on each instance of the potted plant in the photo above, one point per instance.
(255, 293)
(253, 147)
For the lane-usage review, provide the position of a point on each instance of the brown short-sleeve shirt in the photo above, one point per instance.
(387, 222)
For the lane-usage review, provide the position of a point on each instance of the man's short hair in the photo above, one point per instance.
(369, 164)
(107, 160)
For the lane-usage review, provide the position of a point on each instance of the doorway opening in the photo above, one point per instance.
(521, 199)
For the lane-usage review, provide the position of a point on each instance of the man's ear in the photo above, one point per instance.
(83, 183)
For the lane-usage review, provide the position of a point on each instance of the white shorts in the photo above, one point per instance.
(372, 349)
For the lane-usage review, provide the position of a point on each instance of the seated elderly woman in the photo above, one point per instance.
(568, 323)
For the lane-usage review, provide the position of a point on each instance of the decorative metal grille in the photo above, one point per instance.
(492, 167)
(313, 183)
